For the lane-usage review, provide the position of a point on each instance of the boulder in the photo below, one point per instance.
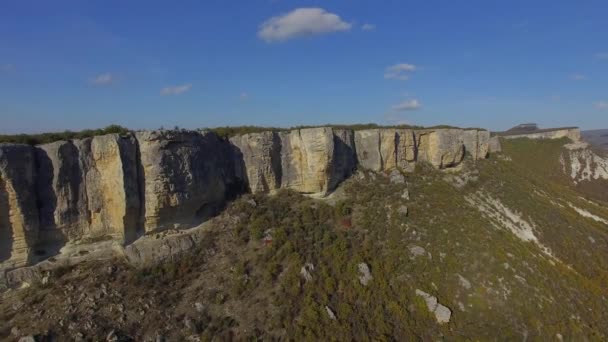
(365, 275)
(442, 313)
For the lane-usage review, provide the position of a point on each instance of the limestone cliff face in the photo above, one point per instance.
(18, 210)
(258, 160)
(386, 149)
(441, 148)
(306, 156)
(185, 176)
(88, 188)
(494, 145)
(476, 143)
(125, 186)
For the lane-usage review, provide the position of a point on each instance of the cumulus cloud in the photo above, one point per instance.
(406, 105)
(175, 90)
(301, 22)
(578, 77)
(602, 105)
(399, 71)
(368, 27)
(102, 79)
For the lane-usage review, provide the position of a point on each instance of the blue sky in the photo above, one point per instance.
(146, 64)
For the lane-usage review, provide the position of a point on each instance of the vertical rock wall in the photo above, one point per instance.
(18, 208)
(124, 186)
(185, 176)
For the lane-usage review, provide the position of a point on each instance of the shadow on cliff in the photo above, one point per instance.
(50, 238)
(6, 236)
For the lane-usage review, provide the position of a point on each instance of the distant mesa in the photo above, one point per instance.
(532, 131)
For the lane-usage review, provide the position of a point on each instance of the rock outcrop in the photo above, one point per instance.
(581, 163)
(258, 160)
(55, 196)
(18, 211)
(572, 133)
(186, 177)
(88, 189)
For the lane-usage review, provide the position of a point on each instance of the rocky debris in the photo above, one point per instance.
(406, 195)
(330, 313)
(365, 275)
(442, 313)
(396, 177)
(306, 271)
(416, 251)
(464, 282)
(403, 210)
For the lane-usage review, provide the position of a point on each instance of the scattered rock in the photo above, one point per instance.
(306, 271)
(199, 307)
(464, 282)
(442, 313)
(396, 177)
(112, 337)
(416, 251)
(402, 210)
(406, 195)
(27, 339)
(330, 313)
(365, 276)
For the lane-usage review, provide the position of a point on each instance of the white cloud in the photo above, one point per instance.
(175, 90)
(368, 27)
(102, 79)
(601, 105)
(578, 77)
(399, 71)
(301, 22)
(602, 55)
(412, 104)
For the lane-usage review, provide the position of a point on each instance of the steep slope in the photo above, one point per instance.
(505, 246)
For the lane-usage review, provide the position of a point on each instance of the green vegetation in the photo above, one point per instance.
(44, 138)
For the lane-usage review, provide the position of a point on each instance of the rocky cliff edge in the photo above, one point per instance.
(119, 188)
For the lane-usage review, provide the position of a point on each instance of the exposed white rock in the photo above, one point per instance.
(306, 271)
(585, 213)
(365, 275)
(330, 313)
(464, 282)
(582, 164)
(442, 313)
(503, 217)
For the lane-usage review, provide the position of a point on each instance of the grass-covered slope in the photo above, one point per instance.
(507, 244)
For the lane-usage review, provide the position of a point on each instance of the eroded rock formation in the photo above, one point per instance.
(121, 187)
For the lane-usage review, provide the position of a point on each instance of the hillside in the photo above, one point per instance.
(507, 244)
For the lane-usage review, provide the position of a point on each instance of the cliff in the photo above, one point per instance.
(572, 133)
(121, 187)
